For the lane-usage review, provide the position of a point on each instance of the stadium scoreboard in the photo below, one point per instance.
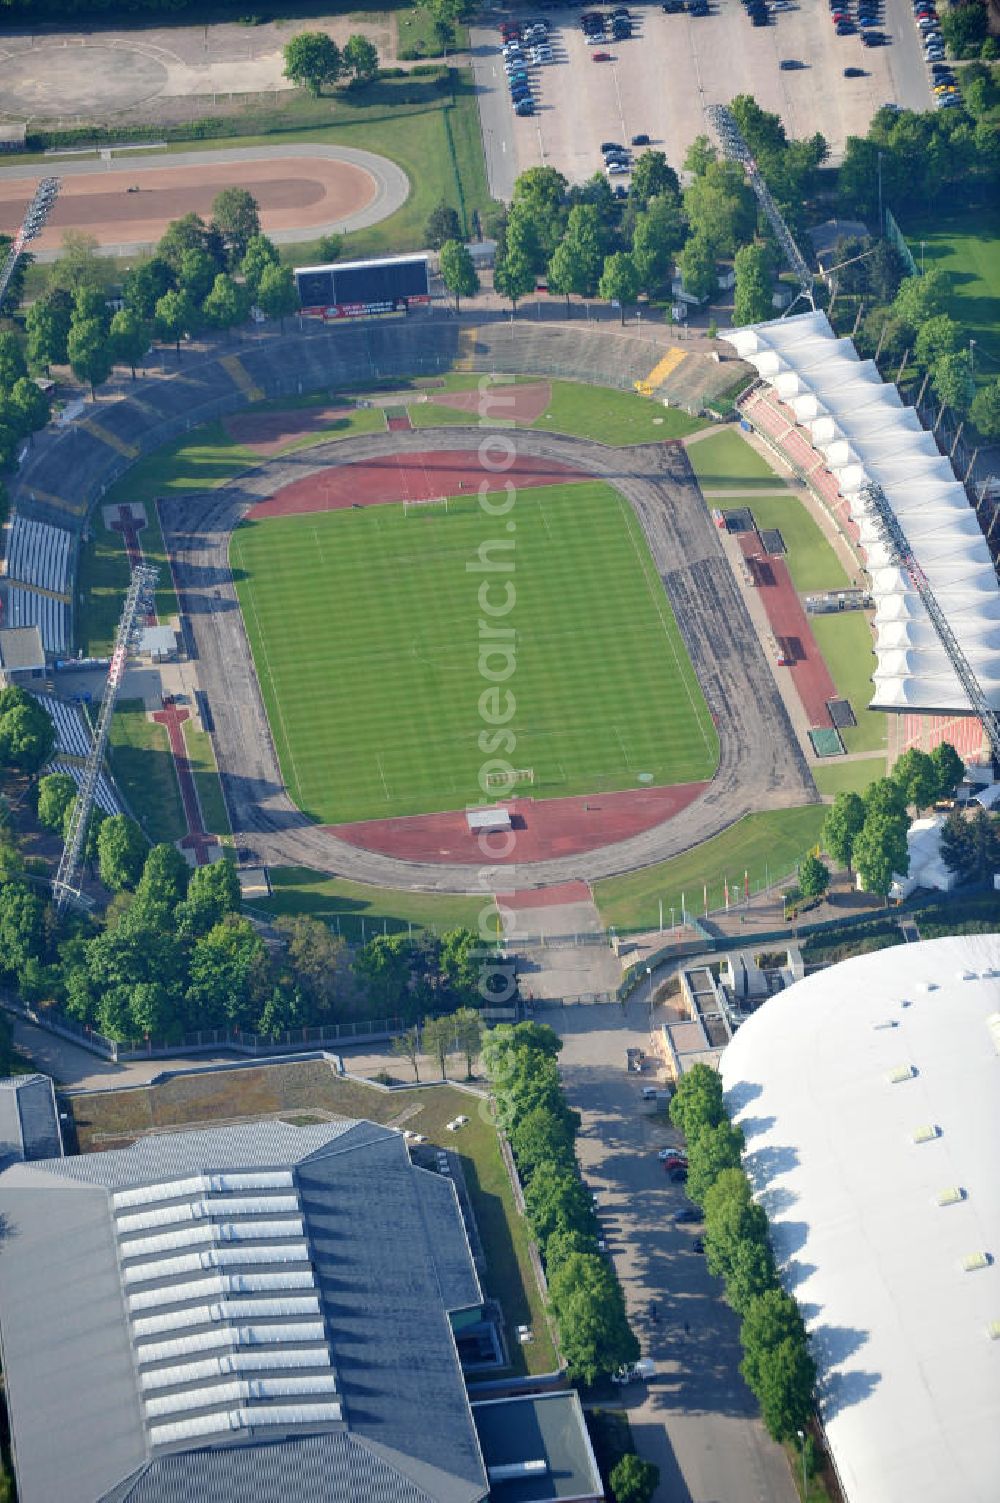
(363, 289)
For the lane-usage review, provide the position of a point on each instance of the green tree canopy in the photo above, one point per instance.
(212, 892)
(985, 409)
(880, 851)
(885, 796)
(949, 767)
(697, 1102)
(55, 795)
(27, 407)
(540, 197)
(786, 1377)
(439, 1042)
(79, 263)
(558, 1201)
(312, 60)
(656, 238)
(540, 1136)
(711, 1150)
(938, 336)
(619, 281)
(174, 316)
(970, 846)
(696, 264)
(236, 219)
(12, 362)
(228, 971)
(319, 963)
(277, 294)
(594, 1334)
(720, 208)
(197, 271)
(700, 156)
(89, 351)
(361, 58)
(165, 876)
(258, 256)
(22, 927)
(129, 338)
(468, 1026)
(443, 224)
(841, 825)
(652, 175)
(953, 381)
(121, 852)
(226, 304)
(752, 302)
(814, 877)
(190, 232)
(917, 776)
(145, 284)
(46, 324)
(920, 299)
(27, 736)
(514, 276)
(634, 1480)
(458, 271)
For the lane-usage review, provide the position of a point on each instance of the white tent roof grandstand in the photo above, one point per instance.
(859, 425)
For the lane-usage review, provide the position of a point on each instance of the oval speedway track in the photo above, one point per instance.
(761, 765)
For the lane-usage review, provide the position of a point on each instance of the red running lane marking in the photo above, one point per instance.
(790, 625)
(197, 839)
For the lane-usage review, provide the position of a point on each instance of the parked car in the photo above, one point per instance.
(874, 39)
(615, 169)
(855, 73)
(698, 1245)
(641, 140)
(601, 57)
(619, 191)
(678, 1176)
(790, 64)
(690, 1216)
(642, 1370)
(672, 1153)
(674, 1163)
(525, 106)
(672, 7)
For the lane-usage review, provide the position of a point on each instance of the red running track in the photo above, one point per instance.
(414, 477)
(197, 839)
(791, 628)
(541, 829)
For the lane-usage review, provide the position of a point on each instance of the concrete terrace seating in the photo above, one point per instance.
(38, 554)
(105, 795)
(27, 608)
(72, 732)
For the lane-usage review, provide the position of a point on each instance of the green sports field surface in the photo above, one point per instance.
(365, 631)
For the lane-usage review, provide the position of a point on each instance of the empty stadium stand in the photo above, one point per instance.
(27, 607)
(72, 731)
(106, 795)
(38, 554)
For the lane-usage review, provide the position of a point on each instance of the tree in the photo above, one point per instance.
(619, 281)
(786, 1379)
(696, 264)
(750, 1272)
(539, 199)
(89, 352)
(312, 59)
(79, 263)
(445, 14)
(382, 966)
(985, 409)
(361, 58)
(964, 28)
(514, 277)
(710, 1151)
(190, 232)
(721, 208)
(174, 316)
(770, 1320)
(151, 1009)
(575, 267)
(196, 273)
(212, 892)
(129, 338)
(657, 237)
(236, 218)
(22, 927)
(46, 324)
(468, 1026)
(121, 852)
(12, 361)
(443, 224)
(329, 247)
(841, 826)
(652, 175)
(880, 852)
(540, 1136)
(700, 156)
(557, 1200)
(277, 295)
(226, 304)
(594, 1334)
(27, 735)
(634, 1480)
(228, 975)
(165, 876)
(697, 1102)
(949, 767)
(26, 407)
(752, 302)
(319, 963)
(55, 795)
(885, 796)
(921, 298)
(145, 284)
(258, 256)
(814, 877)
(970, 847)
(885, 269)
(917, 776)
(938, 336)
(12, 301)
(408, 1046)
(953, 382)
(458, 271)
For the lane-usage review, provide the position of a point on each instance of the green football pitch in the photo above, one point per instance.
(366, 634)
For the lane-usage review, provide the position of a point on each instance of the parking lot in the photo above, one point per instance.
(659, 82)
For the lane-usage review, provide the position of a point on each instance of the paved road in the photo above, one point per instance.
(697, 1420)
(761, 765)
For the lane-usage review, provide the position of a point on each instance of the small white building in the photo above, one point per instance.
(927, 869)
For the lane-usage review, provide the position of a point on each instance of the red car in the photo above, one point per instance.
(674, 1162)
(602, 57)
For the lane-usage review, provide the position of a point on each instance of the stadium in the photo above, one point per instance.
(331, 592)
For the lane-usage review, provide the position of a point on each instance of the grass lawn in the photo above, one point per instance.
(308, 1090)
(726, 461)
(767, 845)
(206, 779)
(811, 560)
(365, 630)
(144, 770)
(613, 417)
(845, 640)
(967, 247)
(357, 911)
(840, 776)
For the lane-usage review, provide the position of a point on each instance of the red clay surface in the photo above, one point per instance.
(399, 424)
(541, 829)
(791, 628)
(293, 193)
(197, 839)
(130, 526)
(411, 477)
(523, 403)
(547, 897)
(266, 432)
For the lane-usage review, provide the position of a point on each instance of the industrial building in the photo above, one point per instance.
(869, 1094)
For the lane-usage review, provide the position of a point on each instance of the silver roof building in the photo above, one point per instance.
(255, 1314)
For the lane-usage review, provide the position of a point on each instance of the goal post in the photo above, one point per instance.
(509, 779)
(425, 502)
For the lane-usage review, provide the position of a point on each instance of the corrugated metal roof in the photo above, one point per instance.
(387, 1256)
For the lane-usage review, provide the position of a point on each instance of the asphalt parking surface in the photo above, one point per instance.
(660, 80)
(696, 1418)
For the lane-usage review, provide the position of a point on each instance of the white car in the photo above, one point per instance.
(671, 1153)
(616, 169)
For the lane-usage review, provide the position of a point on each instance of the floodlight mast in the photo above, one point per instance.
(32, 225)
(138, 602)
(894, 538)
(736, 149)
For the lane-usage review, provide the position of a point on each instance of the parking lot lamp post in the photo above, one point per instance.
(671, 920)
(649, 984)
(802, 1443)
